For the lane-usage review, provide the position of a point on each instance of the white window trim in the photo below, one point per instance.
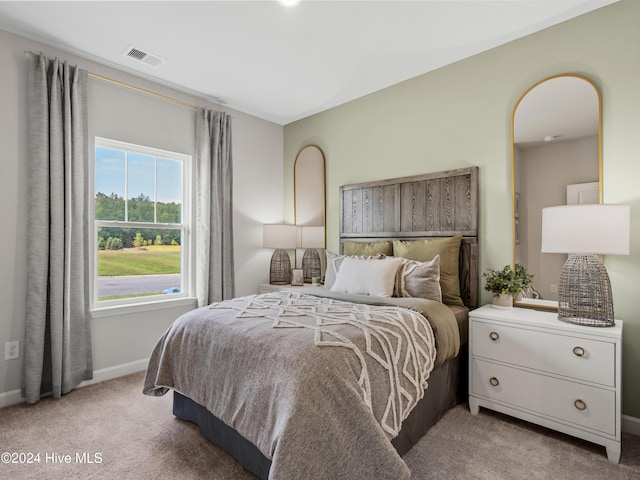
(114, 310)
(147, 303)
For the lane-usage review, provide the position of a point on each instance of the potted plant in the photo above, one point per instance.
(523, 279)
(503, 284)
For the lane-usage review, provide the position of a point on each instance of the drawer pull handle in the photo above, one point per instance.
(494, 381)
(494, 336)
(580, 405)
(578, 351)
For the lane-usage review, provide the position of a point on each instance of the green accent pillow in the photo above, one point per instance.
(426, 250)
(367, 248)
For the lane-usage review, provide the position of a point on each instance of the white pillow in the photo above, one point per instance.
(367, 276)
(334, 261)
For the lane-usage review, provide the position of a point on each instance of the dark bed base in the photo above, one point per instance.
(442, 394)
(447, 387)
(222, 435)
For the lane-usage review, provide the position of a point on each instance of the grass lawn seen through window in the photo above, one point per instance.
(149, 260)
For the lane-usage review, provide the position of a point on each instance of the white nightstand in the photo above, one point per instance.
(566, 377)
(268, 288)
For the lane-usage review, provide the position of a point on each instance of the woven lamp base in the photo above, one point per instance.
(280, 270)
(584, 292)
(311, 265)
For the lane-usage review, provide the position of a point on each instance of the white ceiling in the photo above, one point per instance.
(282, 64)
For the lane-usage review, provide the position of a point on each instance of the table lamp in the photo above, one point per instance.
(311, 238)
(282, 238)
(585, 232)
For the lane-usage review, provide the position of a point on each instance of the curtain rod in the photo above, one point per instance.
(143, 90)
(133, 87)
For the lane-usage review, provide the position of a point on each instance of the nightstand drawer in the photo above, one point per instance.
(569, 356)
(578, 404)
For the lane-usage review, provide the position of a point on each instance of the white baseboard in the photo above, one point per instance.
(631, 425)
(117, 371)
(11, 398)
(14, 397)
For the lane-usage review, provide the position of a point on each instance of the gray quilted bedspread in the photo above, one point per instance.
(320, 386)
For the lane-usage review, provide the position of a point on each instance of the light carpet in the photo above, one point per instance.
(127, 435)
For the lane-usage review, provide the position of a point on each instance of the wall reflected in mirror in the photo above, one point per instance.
(557, 160)
(309, 204)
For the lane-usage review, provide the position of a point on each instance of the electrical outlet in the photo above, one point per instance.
(11, 350)
(554, 288)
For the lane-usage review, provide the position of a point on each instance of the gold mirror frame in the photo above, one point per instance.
(309, 192)
(529, 302)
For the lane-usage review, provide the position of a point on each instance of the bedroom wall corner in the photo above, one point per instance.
(123, 342)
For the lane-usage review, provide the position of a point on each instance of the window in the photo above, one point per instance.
(141, 224)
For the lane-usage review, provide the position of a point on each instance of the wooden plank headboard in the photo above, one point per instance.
(440, 204)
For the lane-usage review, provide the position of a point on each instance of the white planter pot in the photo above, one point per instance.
(503, 300)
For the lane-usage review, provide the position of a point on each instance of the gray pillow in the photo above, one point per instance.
(419, 279)
(449, 249)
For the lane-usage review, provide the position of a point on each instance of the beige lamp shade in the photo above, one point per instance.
(279, 236)
(311, 237)
(597, 229)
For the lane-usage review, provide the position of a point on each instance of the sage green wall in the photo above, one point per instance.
(460, 115)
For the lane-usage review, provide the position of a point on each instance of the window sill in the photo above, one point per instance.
(118, 310)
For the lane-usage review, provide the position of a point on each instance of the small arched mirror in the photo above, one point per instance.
(557, 160)
(309, 205)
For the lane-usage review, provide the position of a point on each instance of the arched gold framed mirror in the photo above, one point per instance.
(556, 133)
(309, 210)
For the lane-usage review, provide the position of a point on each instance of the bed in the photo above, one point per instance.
(317, 395)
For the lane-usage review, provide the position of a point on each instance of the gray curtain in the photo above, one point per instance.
(215, 279)
(57, 344)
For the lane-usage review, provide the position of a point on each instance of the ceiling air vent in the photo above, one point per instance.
(142, 56)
